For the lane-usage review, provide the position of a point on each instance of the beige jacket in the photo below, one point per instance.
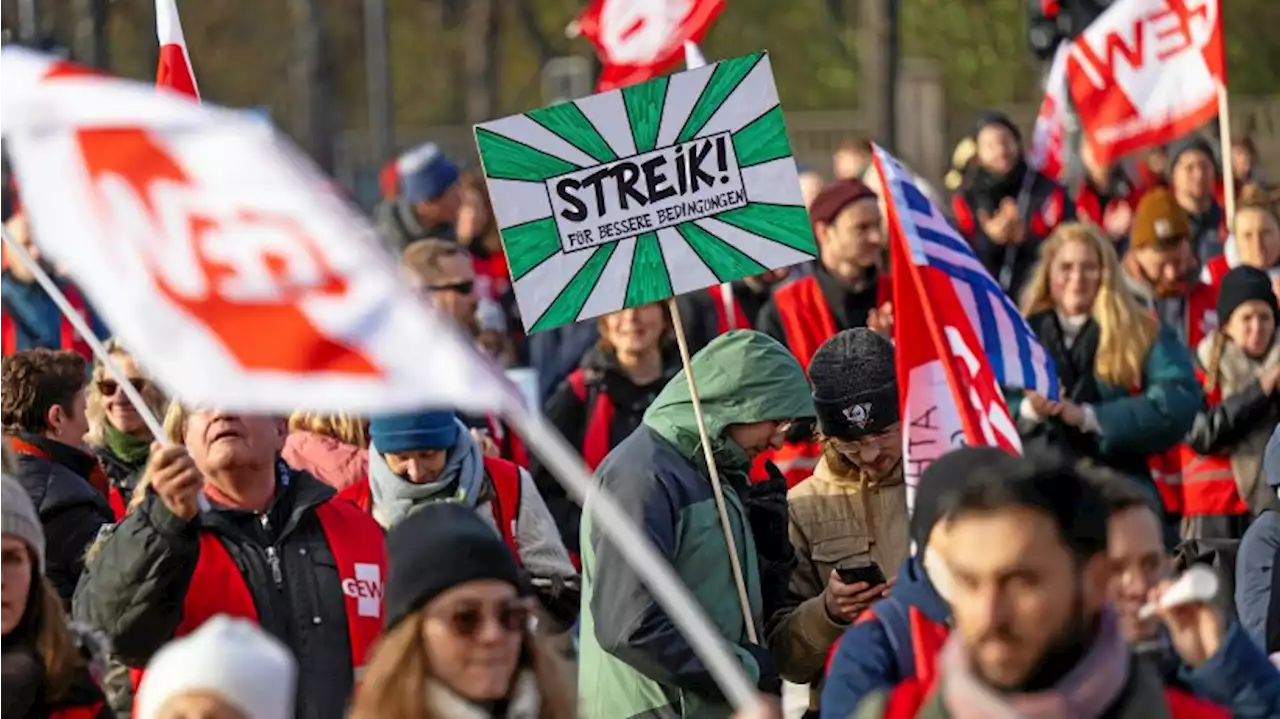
(834, 522)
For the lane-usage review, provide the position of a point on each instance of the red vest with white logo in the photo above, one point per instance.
(359, 549)
(1202, 313)
(1207, 484)
(807, 322)
(503, 475)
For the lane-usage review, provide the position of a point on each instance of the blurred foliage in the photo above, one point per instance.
(242, 50)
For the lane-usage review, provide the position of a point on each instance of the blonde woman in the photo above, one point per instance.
(1254, 241)
(117, 433)
(1128, 387)
(460, 640)
(332, 447)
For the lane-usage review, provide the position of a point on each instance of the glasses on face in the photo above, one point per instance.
(465, 287)
(466, 618)
(108, 387)
(873, 441)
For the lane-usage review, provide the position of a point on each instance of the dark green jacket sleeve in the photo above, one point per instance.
(135, 581)
(1158, 417)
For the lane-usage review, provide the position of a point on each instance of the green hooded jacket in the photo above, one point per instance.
(632, 659)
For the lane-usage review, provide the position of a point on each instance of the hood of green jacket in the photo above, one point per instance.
(743, 377)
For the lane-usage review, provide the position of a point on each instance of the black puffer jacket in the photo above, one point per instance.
(71, 509)
(133, 587)
(23, 693)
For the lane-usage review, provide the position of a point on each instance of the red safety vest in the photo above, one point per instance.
(509, 444)
(907, 698)
(505, 477)
(595, 439)
(68, 338)
(1207, 484)
(807, 322)
(1202, 313)
(723, 299)
(1214, 271)
(492, 276)
(359, 548)
(77, 712)
(921, 646)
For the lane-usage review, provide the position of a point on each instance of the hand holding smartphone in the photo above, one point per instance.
(871, 575)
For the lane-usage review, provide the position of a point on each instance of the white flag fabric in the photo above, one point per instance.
(1049, 138)
(215, 251)
(174, 67)
(1145, 73)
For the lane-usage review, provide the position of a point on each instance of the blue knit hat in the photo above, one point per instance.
(425, 173)
(413, 432)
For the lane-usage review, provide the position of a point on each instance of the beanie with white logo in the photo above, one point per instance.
(231, 658)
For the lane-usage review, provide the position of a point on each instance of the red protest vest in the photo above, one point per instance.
(68, 338)
(1214, 270)
(359, 548)
(509, 444)
(806, 319)
(595, 439)
(907, 698)
(492, 275)
(924, 642)
(77, 712)
(1202, 313)
(1207, 483)
(504, 475)
(723, 299)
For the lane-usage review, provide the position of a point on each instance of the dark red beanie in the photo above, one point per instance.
(836, 196)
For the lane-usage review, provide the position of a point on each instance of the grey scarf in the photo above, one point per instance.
(395, 497)
(1236, 373)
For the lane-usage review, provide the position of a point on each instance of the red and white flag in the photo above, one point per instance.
(638, 40)
(1049, 138)
(213, 249)
(174, 70)
(958, 336)
(1145, 73)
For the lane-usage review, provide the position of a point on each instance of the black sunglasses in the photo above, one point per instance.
(466, 620)
(464, 288)
(108, 387)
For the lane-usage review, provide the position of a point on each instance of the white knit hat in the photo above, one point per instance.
(233, 658)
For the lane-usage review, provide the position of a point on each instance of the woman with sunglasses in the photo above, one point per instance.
(117, 434)
(460, 640)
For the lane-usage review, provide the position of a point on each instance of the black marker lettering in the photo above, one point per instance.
(627, 174)
(655, 180)
(564, 189)
(596, 181)
(682, 182)
(696, 156)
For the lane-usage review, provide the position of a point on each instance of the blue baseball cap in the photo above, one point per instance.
(425, 173)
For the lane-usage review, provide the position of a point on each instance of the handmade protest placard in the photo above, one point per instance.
(636, 195)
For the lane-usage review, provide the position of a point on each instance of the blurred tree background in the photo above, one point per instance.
(458, 61)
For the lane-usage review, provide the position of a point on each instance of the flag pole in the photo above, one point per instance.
(1228, 171)
(716, 487)
(99, 350)
(669, 592)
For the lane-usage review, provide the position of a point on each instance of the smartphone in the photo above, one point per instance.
(870, 574)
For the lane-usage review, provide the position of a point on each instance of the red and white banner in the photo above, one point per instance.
(1049, 138)
(942, 300)
(217, 254)
(174, 70)
(638, 40)
(1145, 73)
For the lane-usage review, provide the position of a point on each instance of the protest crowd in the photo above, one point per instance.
(430, 563)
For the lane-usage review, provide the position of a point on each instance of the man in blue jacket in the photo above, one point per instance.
(1257, 604)
(879, 651)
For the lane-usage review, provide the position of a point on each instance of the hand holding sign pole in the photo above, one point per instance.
(638, 195)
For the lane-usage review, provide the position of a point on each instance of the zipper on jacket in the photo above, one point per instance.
(273, 559)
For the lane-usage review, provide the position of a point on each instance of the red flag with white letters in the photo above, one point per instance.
(638, 40)
(1145, 73)
(174, 70)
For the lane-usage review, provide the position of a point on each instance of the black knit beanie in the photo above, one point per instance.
(855, 385)
(1192, 143)
(436, 549)
(995, 117)
(1240, 285)
(949, 474)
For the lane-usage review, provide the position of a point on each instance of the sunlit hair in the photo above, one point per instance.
(392, 687)
(95, 403)
(340, 426)
(1126, 330)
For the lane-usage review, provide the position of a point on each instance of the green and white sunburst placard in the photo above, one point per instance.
(635, 195)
